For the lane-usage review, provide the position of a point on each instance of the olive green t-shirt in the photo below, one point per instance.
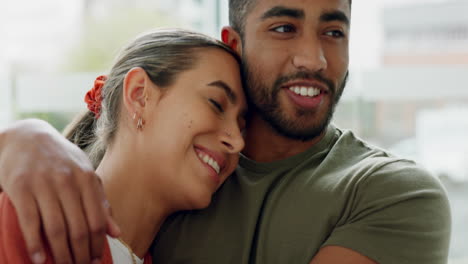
(341, 191)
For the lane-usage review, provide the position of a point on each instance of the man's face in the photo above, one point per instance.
(296, 62)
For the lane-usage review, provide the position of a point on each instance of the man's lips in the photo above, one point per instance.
(308, 84)
(307, 94)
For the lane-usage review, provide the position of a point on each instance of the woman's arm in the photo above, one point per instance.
(52, 184)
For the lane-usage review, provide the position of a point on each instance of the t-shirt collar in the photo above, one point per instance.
(290, 162)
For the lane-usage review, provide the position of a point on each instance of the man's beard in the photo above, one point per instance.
(265, 102)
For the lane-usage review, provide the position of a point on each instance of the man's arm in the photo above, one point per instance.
(399, 214)
(53, 187)
(336, 254)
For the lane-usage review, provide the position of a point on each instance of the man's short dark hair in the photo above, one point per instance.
(238, 11)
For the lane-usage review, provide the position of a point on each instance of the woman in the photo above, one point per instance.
(164, 132)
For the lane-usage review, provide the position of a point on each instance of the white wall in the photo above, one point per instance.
(5, 97)
(198, 15)
(53, 92)
(415, 83)
(34, 34)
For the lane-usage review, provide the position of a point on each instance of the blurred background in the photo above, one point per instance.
(408, 88)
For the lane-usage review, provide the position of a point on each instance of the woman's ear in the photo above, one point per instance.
(137, 89)
(231, 38)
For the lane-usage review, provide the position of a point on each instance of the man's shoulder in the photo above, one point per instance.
(354, 160)
(375, 174)
(360, 152)
(349, 143)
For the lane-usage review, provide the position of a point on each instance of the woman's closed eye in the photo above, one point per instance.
(217, 105)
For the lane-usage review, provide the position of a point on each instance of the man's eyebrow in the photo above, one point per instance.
(222, 85)
(282, 11)
(335, 15)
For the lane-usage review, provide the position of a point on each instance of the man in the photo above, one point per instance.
(304, 192)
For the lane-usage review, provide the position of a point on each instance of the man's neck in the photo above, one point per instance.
(264, 144)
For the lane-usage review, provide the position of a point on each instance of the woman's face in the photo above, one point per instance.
(193, 133)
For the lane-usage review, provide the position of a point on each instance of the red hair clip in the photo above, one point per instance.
(93, 97)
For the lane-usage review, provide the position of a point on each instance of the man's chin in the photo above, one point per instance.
(300, 131)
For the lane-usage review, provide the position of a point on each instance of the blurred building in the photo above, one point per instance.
(425, 61)
(201, 15)
(37, 36)
(35, 33)
(34, 36)
(426, 34)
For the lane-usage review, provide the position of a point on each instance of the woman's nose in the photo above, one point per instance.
(233, 140)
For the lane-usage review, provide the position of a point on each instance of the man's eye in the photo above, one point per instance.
(335, 34)
(217, 105)
(284, 29)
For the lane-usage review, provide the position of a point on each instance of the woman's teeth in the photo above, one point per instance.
(210, 161)
(305, 91)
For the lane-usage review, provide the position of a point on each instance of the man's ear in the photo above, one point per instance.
(231, 38)
(137, 89)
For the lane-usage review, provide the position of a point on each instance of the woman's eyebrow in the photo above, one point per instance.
(225, 87)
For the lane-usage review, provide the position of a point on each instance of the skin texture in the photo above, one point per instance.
(298, 49)
(192, 114)
(203, 109)
(201, 112)
(41, 193)
(303, 50)
(303, 43)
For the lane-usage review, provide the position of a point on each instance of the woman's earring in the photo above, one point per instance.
(140, 123)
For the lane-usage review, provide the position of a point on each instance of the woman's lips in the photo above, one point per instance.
(210, 162)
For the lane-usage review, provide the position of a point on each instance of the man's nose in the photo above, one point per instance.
(310, 55)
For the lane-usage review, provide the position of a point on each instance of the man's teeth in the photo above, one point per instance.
(210, 161)
(305, 91)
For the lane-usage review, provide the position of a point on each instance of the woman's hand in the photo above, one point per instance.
(53, 187)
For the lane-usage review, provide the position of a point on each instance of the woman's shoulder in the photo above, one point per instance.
(12, 245)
